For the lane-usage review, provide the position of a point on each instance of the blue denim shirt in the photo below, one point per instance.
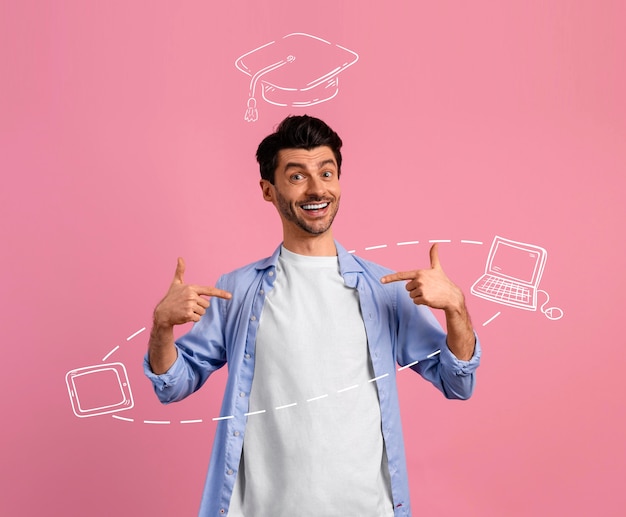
(398, 331)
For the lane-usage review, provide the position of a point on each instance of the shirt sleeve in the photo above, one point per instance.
(422, 345)
(458, 377)
(164, 382)
(200, 352)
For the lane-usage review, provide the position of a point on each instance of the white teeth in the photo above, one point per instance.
(314, 207)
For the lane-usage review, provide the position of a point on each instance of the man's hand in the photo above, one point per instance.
(430, 287)
(433, 288)
(184, 303)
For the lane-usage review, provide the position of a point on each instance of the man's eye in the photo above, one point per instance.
(296, 177)
(327, 174)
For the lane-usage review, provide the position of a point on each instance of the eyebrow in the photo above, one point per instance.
(320, 165)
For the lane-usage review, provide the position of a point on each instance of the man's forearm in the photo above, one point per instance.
(162, 352)
(182, 304)
(461, 338)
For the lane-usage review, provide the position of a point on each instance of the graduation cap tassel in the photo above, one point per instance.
(252, 114)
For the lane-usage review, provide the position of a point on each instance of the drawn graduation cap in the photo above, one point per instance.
(298, 70)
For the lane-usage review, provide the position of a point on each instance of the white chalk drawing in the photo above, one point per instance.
(99, 389)
(298, 70)
(512, 274)
(105, 389)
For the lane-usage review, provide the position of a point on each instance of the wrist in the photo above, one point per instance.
(160, 326)
(159, 320)
(457, 306)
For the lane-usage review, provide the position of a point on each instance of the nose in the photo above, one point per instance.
(315, 187)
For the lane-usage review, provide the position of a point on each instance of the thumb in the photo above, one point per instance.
(180, 272)
(434, 257)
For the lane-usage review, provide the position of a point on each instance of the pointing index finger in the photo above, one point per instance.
(396, 277)
(214, 291)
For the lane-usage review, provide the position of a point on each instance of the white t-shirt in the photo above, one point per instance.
(318, 448)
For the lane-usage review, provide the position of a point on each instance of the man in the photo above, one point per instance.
(310, 423)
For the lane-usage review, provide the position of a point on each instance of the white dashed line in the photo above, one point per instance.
(123, 418)
(407, 366)
(110, 353)
(492, 318)
(217, 419)
(135, 334)
(348, 388)
(317, 398)
(286, 406)
(254, 412)
(415, 362)
(117, 347)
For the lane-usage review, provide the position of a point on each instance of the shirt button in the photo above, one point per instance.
(247, 356)
(222, 510)
(271, 273)
(253, 318)
(242, 394)
(236, 433)
(261, 291)
(229, 472)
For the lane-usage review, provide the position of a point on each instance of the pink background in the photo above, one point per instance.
(123, 146)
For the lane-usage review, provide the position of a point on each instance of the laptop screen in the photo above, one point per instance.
(514, 262)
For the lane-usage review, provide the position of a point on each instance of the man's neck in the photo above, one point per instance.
(312, 245)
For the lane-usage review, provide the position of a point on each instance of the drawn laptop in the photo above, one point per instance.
(512, 274)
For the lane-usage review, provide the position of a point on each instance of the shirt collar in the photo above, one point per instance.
(347, 262)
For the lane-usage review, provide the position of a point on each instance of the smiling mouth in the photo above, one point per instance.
(314, 206)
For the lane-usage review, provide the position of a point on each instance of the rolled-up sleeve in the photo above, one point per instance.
(422, 344)
(165, 383)
(458, 377)
(200, 352)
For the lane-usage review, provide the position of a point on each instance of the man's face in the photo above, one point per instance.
(306, 190)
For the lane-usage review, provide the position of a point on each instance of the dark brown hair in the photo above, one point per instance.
(296, 132)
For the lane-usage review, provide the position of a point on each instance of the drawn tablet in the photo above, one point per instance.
(98, 390)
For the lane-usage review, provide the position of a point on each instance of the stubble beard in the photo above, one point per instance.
(289, 211)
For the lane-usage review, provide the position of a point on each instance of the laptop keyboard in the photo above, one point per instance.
(503, 289)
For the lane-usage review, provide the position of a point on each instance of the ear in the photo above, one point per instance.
(268, 190)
